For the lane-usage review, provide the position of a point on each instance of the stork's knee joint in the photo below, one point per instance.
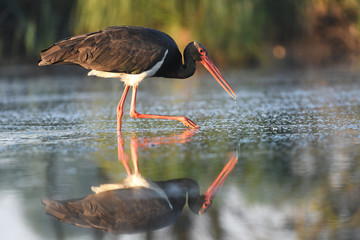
(133, 114)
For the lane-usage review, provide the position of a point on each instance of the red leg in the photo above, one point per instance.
(120, 108)
(173, 139)
(187, 122)
(122, 156)
(134, 156)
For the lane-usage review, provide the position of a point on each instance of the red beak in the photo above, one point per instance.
(210, 66)
(211, 192)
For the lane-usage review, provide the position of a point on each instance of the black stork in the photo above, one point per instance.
(137, 204)
(132, 54)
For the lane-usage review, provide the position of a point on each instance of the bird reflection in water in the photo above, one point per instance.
(137, 204)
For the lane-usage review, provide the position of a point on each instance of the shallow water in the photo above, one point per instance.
(296, 133)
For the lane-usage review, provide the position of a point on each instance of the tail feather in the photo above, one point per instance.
(65, 51)
(65, 211)
(52, 55)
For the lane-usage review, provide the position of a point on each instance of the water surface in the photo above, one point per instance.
(297, 136)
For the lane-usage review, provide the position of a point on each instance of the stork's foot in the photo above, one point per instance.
(187, 122)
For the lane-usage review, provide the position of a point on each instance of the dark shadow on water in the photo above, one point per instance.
(137, 204)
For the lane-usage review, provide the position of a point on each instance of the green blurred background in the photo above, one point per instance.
(237, 33)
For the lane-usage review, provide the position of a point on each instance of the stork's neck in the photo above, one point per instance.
(173, 66)
(188, 68)
(176, 190)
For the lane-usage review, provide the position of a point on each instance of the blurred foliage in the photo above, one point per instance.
(227, 27)
(26, 27)
(236, 32)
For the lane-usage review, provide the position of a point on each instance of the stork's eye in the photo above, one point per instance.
(202, 51)
(206, 204)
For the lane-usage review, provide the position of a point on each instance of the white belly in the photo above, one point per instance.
(130, 79)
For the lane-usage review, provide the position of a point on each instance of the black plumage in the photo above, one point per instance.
(118, 49)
